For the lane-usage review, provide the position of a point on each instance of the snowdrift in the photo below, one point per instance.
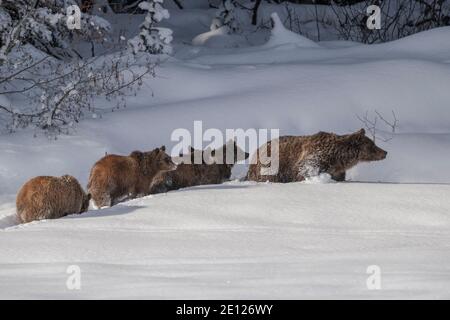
(281, 36)
(280, 241)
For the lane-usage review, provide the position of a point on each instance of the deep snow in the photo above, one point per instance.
(243, 240)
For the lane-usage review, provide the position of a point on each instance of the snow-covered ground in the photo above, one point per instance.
(243, 240)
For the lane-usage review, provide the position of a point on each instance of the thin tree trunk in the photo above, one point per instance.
(317, 20)
(255, 12)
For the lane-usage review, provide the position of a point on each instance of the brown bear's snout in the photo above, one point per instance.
(173, 166)
(170, 165)
(371, 152)
(381, 154)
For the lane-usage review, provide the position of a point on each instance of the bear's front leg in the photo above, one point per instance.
(338, 176)
(307, 168)
(160, 184)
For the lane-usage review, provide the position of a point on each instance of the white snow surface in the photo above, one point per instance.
(241, 239)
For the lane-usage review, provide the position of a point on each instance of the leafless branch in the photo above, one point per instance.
(371, 124)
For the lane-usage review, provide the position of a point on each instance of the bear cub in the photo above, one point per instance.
(47, 197)
(115, 178)
(192, 174)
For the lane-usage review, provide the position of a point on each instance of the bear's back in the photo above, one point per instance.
(113, 162)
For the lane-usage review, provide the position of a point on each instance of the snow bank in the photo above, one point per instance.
(281, 36)
(218, 38)
(424, 46)
(280, 241)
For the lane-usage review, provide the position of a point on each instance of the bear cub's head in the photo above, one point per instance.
(155, 160)
(163, 160)
(85, 205)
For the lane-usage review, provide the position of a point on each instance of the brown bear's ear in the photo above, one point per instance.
(361, 133)
(356, 137)
(163, 148)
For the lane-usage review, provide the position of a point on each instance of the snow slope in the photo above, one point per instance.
(242, 240)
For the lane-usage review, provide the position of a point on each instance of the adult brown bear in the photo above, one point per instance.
(305, 156)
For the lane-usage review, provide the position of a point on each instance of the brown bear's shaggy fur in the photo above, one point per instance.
(115, 178)
(305, 156)
(188, 175)
(50, 198)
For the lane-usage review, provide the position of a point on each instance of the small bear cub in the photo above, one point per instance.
(115, 178)
(47, 197)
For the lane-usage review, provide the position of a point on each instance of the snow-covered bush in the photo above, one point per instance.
(44, 83)
(332, 19)
(226, 16)
(43, 24)
(152, 39)
(56, 95)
